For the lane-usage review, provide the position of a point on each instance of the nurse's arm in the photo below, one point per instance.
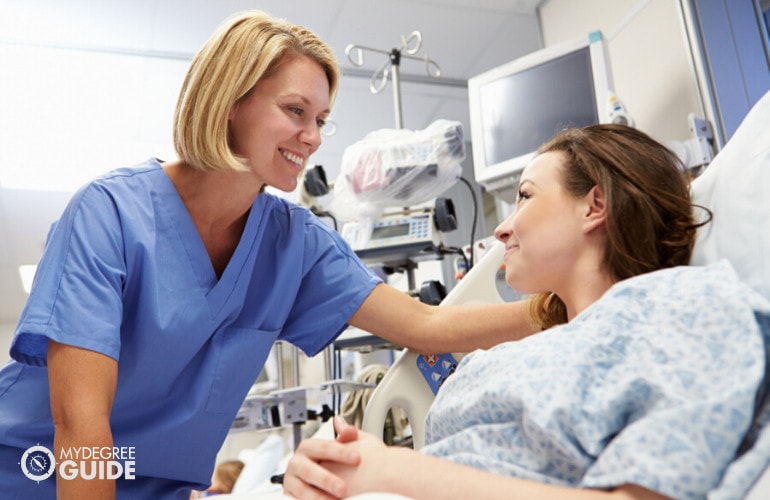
(82, 385)
(395, 316)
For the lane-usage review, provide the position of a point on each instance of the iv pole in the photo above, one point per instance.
(355, 54)
(409, 47)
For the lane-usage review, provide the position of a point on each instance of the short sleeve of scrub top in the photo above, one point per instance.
(76, 297)
(327, 265)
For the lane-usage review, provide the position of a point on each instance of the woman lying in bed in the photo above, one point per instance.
(644, 380)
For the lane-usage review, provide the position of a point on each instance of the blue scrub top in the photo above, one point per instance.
(126, 274)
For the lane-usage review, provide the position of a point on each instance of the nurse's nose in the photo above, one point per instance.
(311, 135)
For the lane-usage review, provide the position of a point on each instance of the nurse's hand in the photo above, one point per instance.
(306, 478)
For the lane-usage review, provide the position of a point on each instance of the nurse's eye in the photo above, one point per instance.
(320, 122)
(295, 110)
(521, 196)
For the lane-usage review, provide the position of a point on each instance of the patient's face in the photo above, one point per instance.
(543, 234)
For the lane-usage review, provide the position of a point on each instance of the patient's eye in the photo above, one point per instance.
(522, 195)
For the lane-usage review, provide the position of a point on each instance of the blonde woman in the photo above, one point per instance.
(163, 286)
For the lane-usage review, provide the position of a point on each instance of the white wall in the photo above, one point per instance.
(97, 111)
(651, 63)
(6, 333)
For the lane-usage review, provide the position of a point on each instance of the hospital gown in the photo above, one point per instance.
(126, 274)
(654, 384)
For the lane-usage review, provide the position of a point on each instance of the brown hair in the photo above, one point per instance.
(241, 52)
(227, 472)
(650, 223)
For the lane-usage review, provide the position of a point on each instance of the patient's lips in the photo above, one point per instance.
(510, 248)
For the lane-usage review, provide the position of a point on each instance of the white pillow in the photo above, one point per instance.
(736, 188)
(260, 463)
(268, 459)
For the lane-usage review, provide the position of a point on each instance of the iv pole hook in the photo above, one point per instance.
(410, 45)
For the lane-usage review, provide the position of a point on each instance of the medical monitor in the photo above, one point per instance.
(516, 107)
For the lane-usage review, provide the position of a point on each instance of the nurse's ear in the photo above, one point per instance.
(595, 209)
(237, 103)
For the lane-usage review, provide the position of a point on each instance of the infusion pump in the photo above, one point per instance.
(394, 237)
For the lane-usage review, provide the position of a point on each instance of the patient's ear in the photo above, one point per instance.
(595, 213)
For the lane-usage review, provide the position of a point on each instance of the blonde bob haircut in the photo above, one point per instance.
(245, 49)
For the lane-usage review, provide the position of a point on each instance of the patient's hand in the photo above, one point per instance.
(306, 478)
(366, 475)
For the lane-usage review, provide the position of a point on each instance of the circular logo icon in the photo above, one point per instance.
(38, 463)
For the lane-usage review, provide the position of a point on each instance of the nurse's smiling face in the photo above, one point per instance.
(277, 126)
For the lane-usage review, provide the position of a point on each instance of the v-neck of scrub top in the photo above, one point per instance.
(218, 289)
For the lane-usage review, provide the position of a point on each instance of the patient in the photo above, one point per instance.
(644, 381)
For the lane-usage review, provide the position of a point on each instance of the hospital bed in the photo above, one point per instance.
(736, 188)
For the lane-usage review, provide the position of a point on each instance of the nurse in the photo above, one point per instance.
(163, 286)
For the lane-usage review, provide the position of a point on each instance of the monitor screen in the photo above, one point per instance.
(520, 105)
(516, 119)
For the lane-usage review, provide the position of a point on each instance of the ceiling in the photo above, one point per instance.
(464, 37)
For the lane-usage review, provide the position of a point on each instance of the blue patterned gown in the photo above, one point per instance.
(655, 384)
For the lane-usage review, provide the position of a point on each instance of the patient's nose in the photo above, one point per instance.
(502, 232)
